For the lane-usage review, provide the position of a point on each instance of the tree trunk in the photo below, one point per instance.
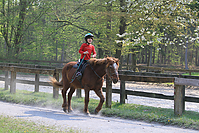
(62, 53)
(186, 63)
(196, 60)
(154, 55)
(149, 57)
(122, 29)
(142, 55)
(133, 60)
(108, 25)
(19, 31)
(165, 50)
(162, 58)
(181, 57)
(197, 55)
(127, 62)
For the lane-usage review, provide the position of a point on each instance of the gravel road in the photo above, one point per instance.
(98, 123)
(92, 123)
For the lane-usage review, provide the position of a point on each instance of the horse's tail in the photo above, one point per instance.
(55, 83)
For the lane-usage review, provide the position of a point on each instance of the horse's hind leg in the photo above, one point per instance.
(72, 90)
(101, 96)
(65, 88)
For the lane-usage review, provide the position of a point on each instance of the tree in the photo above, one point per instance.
(157, 23)
(14, 23)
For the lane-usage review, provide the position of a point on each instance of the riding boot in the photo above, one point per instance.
(79, 74)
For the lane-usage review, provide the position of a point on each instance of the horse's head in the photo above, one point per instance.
(112, 69)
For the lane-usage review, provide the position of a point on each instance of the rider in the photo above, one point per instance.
(85, 50)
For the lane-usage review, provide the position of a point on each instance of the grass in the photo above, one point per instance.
(192, 74)
(13, 125)
(189, 119)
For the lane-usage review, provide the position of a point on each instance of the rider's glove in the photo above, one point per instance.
(86, 52)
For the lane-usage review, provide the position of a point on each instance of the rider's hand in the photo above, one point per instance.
(93, 56)
(86, 52)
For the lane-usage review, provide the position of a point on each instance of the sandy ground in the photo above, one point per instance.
(84, 123)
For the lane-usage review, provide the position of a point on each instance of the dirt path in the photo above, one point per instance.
(98, 123)
(92, 123)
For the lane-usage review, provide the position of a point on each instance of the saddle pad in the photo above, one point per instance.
(82, 68)
(75, 66)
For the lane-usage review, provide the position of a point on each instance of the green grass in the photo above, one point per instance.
(16, 125)
(192, 74)
(189, 119)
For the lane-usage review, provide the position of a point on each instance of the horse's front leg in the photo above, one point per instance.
(101, 96)
(86, 101)
(72, 90)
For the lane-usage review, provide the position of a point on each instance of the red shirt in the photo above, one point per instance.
(85, 47)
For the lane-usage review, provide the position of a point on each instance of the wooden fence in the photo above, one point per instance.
(30, 69)
(159, 69)
(37, 62)
(179, 89)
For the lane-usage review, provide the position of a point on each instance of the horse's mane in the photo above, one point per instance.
(95, 61)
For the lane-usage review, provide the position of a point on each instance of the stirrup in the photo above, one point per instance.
(79, 75)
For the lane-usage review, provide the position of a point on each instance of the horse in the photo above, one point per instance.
(92, 79)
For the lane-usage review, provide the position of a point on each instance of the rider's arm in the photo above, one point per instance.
(94, 52)
(81, 49)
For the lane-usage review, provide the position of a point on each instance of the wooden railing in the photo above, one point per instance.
(179, 88)
(163, 69)
(27, 62)
(30, 69)
(179, 97)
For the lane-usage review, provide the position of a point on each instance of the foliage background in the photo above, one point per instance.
(150, 32)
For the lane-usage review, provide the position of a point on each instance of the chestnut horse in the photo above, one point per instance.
(92, 79)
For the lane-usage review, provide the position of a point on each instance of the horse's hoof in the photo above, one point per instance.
(95, 112)
(70, 111)
(87, 113)
(65, 110)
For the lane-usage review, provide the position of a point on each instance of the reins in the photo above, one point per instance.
(95, 72)
(73, 78)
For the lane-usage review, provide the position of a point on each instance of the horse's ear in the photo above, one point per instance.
(117, 61)
(108, 58)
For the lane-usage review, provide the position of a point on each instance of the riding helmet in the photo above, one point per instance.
(88, 35)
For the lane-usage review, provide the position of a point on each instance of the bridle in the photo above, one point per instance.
(95, 72)
(110, 70)
(110, 73)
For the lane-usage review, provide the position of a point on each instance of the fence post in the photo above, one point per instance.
(55, 90)
(13, 82)
(6, 79)
(179, 99)
(78, 93)
(108, 92)
(36, 82)
(122, 92)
